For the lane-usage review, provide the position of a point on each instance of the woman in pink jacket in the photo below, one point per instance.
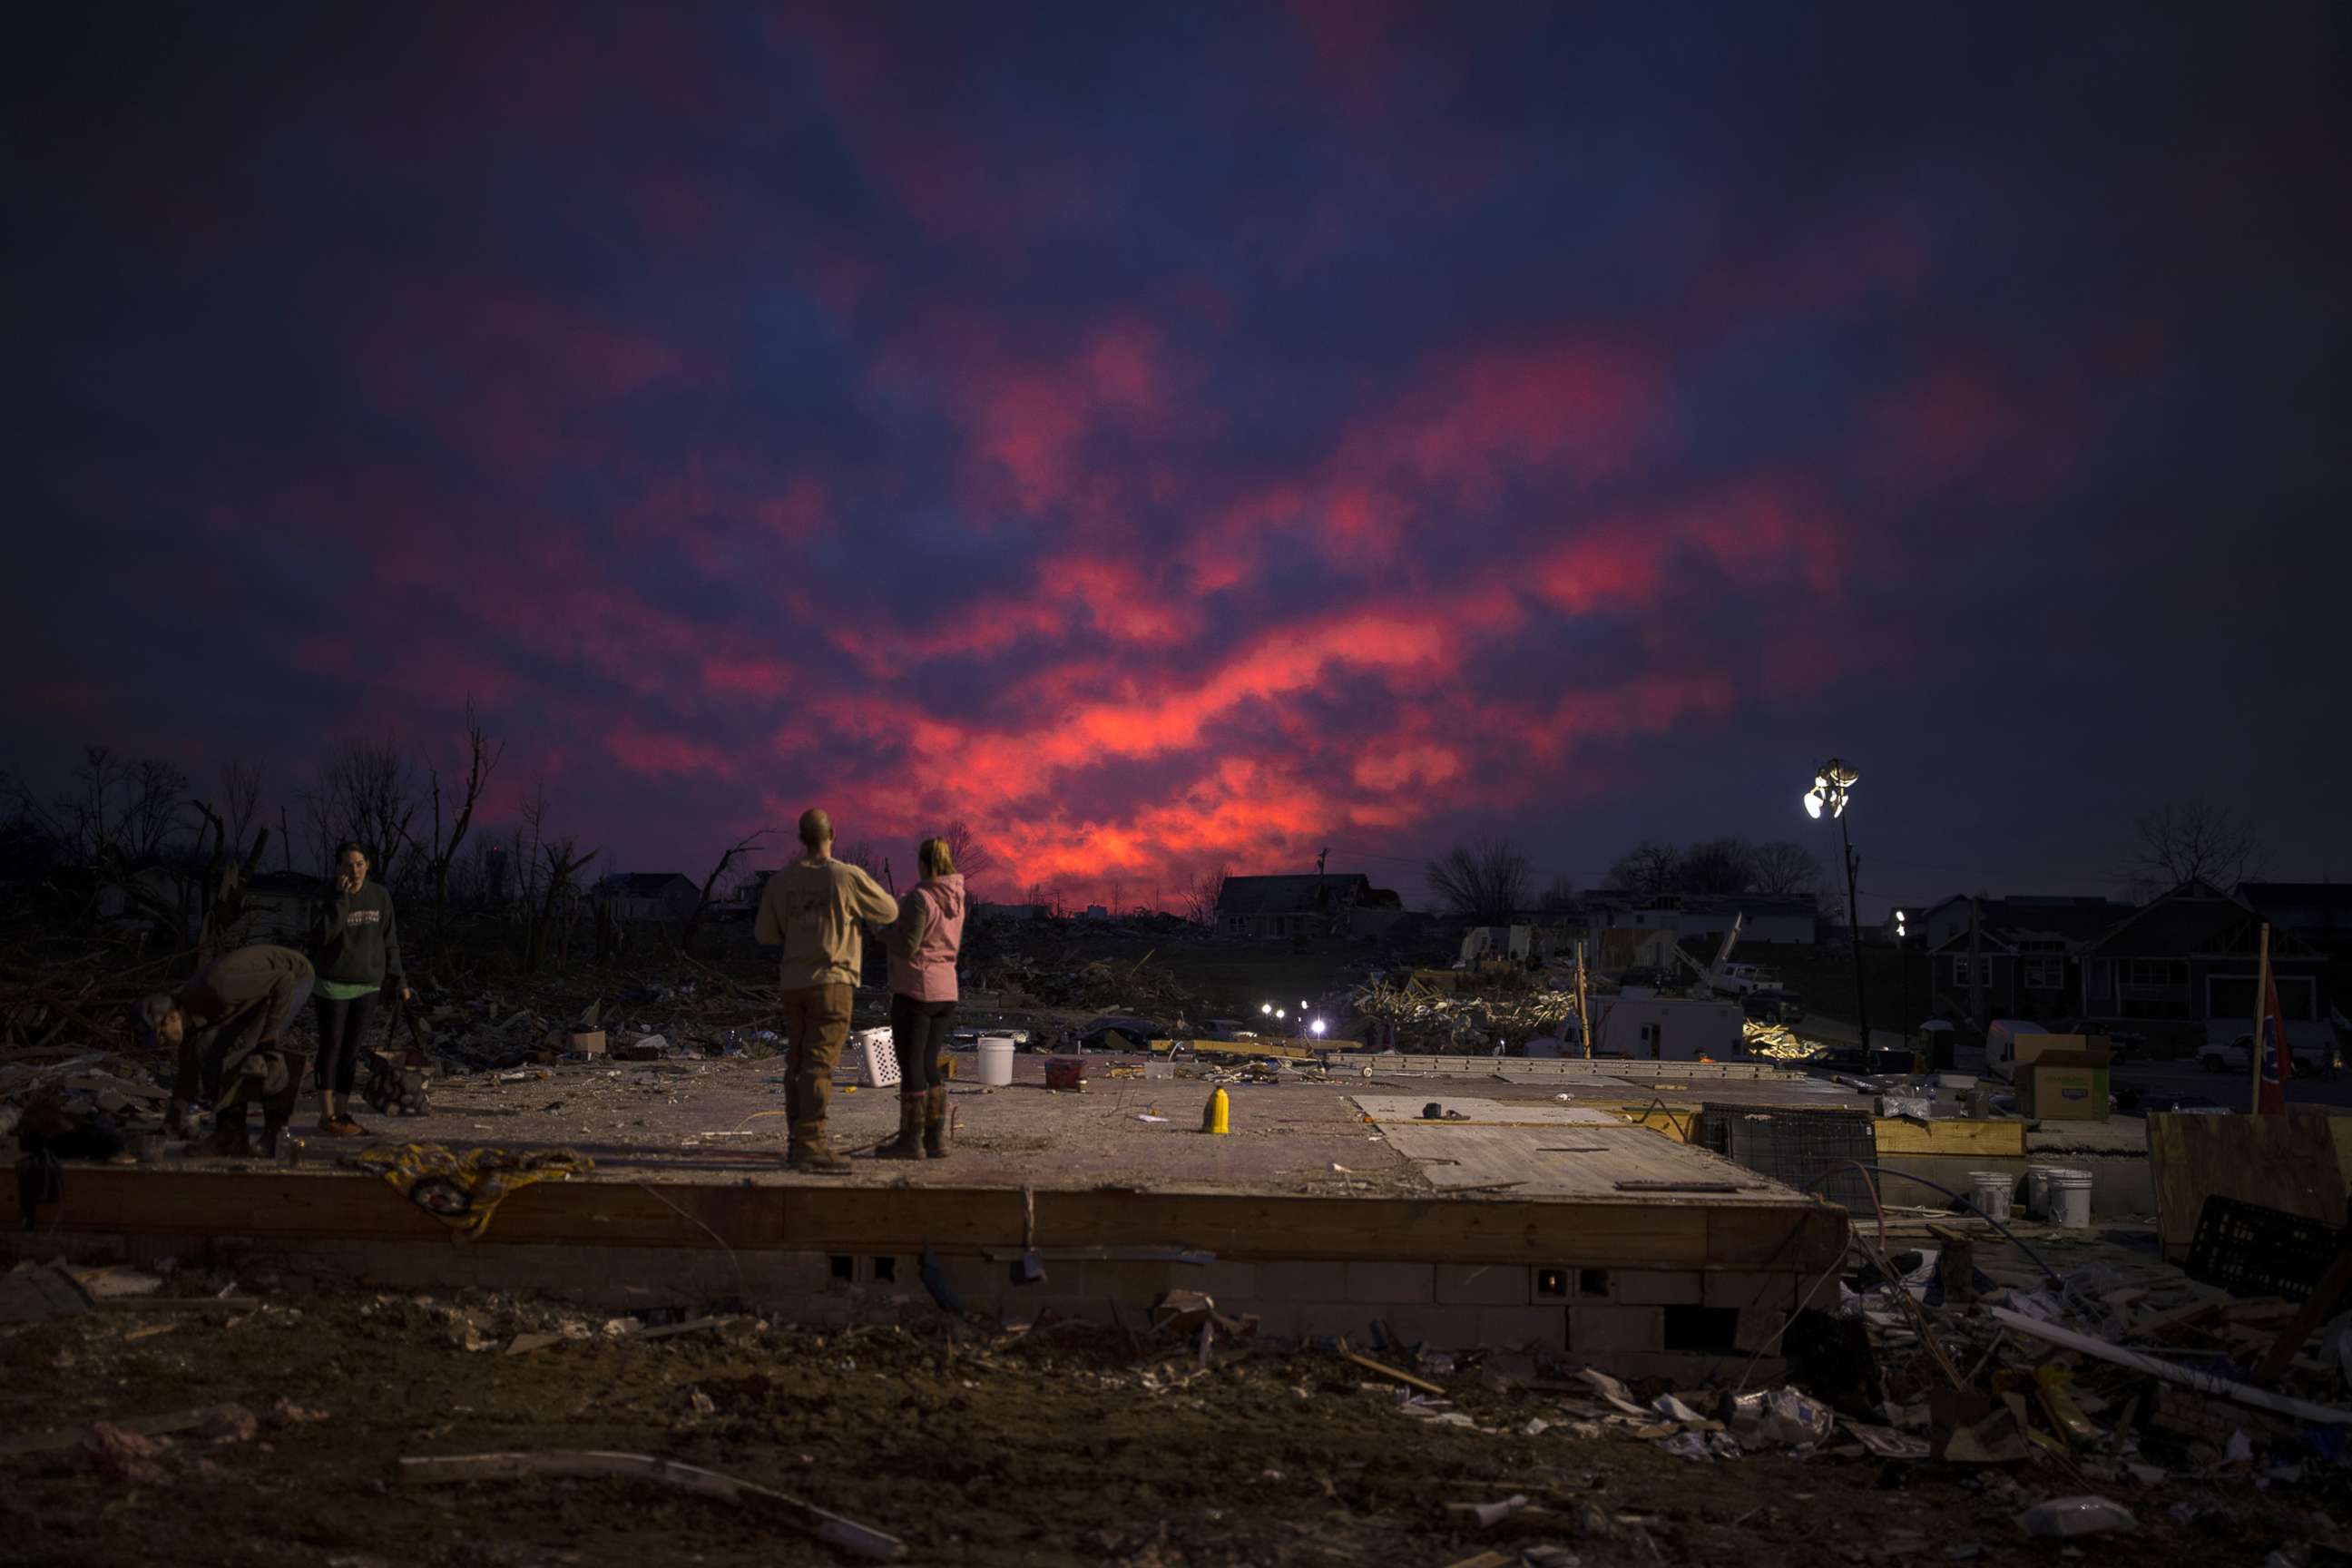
(923, 947)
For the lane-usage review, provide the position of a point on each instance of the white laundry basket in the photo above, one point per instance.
(877, 1058)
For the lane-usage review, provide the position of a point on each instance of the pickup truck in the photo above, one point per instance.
(2237, 1056)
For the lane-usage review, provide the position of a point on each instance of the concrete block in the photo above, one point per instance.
(1772, 1291)
(1315, 1319)
(1135, 1284)
(1291, 1281)
(1484, 1285)
(1391, 1283)
(1611, 1329)
(1439, 1328)
(1230, 1284)
(1513, 1328)
(976, 1279)
(1757, 1327)
(1656, 1287)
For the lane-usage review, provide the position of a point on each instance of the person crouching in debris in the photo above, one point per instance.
(354, 945)
(815, 908)
(923, 947)
(229, 1026)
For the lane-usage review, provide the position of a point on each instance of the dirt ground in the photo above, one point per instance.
(1055, 1445)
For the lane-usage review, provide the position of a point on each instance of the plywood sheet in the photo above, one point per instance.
(1577, 1160)
(1385, 1108)
(2291, 1163)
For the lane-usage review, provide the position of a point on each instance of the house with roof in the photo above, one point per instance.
(2319, 913)
(1763, 917)
(1934, 925)
(2028, 952)
(631, 898)
(2192, 956)
(1337, 903)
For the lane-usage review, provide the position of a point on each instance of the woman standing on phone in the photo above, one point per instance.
(355, 948)
(924, 946)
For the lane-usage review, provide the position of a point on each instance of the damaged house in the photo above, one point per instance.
(1338, 903)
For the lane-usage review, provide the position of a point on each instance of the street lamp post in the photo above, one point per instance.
(1902, 972)
(1833, 784)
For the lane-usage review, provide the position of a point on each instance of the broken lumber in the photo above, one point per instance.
(2217, 1387)
(56, 1437)
(1368, 1364)
(2332, 1285)
(830, 1528)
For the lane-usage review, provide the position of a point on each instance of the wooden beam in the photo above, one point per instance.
(294, 1206)
(2001, 1139)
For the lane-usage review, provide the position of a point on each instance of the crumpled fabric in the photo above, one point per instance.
(463, 1191)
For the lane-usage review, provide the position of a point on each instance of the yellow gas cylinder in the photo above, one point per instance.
(1218, 1116)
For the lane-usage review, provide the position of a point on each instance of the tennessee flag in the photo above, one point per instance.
(2269, 1046)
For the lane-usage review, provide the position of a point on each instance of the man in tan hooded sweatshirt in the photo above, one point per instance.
(815, 908)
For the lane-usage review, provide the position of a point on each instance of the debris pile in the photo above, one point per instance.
(1425, 1020)
(1102, 985)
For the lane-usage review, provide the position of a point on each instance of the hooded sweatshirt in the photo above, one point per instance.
(355, 942)
(813, 908)
(929, 935)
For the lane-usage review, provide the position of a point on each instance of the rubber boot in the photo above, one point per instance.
(909, 1144)
(271, 1128)
(813, 1153)
(935, 1122)
(230, 1139)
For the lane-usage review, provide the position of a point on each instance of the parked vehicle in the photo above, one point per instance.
(2238, 1055)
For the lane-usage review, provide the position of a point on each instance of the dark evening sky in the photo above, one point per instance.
(1203, 435)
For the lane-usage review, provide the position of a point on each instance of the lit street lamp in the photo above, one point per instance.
(1315, 1028)
(1901, 971)
(1833, 785)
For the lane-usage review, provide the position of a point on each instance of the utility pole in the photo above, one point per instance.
(1854, 932)
(1583, 1013)
(1976, 962)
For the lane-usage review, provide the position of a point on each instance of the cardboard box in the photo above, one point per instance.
(589, 1042)
(2064, 1078)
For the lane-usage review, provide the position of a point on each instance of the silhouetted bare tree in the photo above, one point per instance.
(240, 800)
(1649, 869)
(1485, 881)
(1558, 898)
(1201, 896)
(973, 857)
(368, 799)
(1785, 870)
(482, 758)
(743, 846)
(2191, 840)
(1724, 864)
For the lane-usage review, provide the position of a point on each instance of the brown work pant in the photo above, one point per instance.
(816, 1024)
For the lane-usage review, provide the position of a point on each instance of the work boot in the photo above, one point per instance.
(813, 1151)
(270, 1128)
(230, 1140)
(935, 1122)
(910, 1145)
(175, 1118)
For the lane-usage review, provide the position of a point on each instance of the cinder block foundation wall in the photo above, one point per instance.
(1689, 1324)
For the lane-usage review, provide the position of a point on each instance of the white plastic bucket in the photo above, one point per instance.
(996, 1059)
(1993, 1190)
(2070, 1199)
